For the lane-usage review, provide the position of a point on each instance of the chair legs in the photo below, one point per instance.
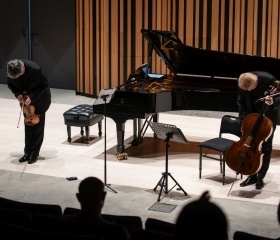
(222, 164)
(224, 169)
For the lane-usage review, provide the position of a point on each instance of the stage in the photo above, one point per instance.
(135, 178)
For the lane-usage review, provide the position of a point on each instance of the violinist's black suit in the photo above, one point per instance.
(36, 85)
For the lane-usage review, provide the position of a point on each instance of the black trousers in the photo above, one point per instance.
(34, 136)
(266, 150)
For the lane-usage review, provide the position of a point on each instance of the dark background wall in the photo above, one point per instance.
(53, 44)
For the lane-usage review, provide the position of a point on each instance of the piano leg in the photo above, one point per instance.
(121, 131)
(120, 136)
(137, 127)
(139, 130)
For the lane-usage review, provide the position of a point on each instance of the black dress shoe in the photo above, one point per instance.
(32, 159)
(260, 183)
(249, 181)
(24, 158)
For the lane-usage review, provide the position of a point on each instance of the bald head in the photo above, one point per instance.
(248, 81)
(91, 195)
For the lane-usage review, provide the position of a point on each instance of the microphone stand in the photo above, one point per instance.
(104, 97)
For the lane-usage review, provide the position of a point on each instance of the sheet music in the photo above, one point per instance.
(161, 130)
(105, 93)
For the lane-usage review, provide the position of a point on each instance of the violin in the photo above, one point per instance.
(30, 118)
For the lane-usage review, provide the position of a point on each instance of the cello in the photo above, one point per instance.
(245, 156)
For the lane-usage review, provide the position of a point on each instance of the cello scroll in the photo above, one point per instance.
(273, 91)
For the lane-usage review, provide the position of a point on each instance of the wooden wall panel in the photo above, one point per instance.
(263, 28)
(232, 28)
(255, 30)
(114, 46)
(269, 30)
(274, 30)
(221, 28)
(110, 46)
(248, 35)
(79, 49)
(215, 25)
(189, 22)
(278, 34)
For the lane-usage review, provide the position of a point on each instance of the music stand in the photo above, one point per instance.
(167, 132)
(104, 97)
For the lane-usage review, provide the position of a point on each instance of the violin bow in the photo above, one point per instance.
(20, 114)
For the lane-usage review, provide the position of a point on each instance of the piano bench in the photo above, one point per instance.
(82, 116)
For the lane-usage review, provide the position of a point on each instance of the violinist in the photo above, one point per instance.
(30, 86)
(251, 87)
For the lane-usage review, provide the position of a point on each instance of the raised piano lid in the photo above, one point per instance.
(182, 59)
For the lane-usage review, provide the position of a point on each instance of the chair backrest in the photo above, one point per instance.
(71, 211)
(140, 234)
(13, 231)
(154, 224)
(130, 222)
(56, 224)
(33, 208)
(16, 216)
(230, 124)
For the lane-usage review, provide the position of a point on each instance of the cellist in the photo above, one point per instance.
(251, 87)
(30, 86)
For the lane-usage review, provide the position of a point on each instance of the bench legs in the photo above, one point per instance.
(69, 133)
(69, 139)
(87, 134)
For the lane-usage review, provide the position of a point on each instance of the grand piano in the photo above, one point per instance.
(200, 79)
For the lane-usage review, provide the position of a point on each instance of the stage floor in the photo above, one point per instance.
(133, 179)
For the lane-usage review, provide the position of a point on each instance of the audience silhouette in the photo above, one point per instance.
(91, 197)
(87, 220)
(198, 219)
(202, 219)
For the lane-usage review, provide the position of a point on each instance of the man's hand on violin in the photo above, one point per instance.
(26, 101)
(268, 100)
(20, 98)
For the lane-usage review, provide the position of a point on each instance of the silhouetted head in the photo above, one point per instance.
(15, 68)
(202, 219)
(91, 194)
